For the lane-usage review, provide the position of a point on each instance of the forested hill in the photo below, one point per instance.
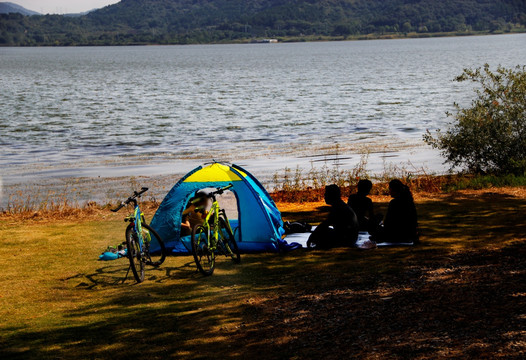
(7, 7)
(204, 21)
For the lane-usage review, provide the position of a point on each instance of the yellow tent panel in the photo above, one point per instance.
(216, 171)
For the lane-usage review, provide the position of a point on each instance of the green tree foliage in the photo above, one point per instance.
(490, 135)
(192, 21)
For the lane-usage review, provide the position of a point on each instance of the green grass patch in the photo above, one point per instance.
(478, 182)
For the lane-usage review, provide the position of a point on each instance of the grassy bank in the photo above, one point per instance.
(460, 294)
(292, 186)
(299, 185)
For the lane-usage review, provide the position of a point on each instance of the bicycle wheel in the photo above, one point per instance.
(154, 249)
(204, 258)
(134, 253)
(230, 243)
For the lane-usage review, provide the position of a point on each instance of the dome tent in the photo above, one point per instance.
(259, 227)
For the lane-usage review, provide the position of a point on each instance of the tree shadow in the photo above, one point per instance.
(471, 307)
(310, 215)
(454, 296)
(474, 220)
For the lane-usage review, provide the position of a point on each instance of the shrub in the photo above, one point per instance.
(490, 135)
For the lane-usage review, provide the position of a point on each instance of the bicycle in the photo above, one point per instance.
(213, 237)
(139, 236)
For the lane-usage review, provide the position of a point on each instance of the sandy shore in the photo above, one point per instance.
(106, 180)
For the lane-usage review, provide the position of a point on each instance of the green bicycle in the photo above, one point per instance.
(139, 237)
(215, 236)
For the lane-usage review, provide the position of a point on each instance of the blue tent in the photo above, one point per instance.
(259, 226)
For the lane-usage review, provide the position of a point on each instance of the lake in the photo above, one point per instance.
(153, 110)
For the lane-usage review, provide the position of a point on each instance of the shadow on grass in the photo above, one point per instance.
(112, 274)
(469, 307)
(460, 294)
(474, 221)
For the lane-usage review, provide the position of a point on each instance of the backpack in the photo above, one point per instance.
(296, 227)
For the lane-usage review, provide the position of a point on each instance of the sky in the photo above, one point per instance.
(61, 6)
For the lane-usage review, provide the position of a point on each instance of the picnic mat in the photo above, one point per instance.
(363, 241)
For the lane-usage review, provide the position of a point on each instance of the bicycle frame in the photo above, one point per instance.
(211, 223)
(214, 236)
(136, 219)
(139, 237)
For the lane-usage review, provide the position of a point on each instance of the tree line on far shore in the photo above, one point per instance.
(209, 21)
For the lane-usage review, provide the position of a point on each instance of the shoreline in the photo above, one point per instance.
(425, 188)
(106, 180)
(397, 36)
(301, 39)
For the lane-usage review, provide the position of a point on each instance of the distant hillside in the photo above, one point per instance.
(205, 21)
(7, 7)
(80, 14)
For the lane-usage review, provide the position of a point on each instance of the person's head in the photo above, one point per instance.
(332, 194)
(364, 187)
(200, 200)
(398, 190)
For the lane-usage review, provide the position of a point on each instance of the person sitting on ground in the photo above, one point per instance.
(362, 205)
(194, 214)
(341, 226)
(400, 223)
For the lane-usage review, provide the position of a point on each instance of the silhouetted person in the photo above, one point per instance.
(400, 222)
(341, 226)
(362, 205)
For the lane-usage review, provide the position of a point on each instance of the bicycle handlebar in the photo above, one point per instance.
(136, 194)
(219, 191)
(212, 194)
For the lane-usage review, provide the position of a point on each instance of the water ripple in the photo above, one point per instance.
(69, 104)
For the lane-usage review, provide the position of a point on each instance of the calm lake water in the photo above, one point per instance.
(104, 108)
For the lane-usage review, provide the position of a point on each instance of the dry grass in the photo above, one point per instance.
(309, 186)
(459, 295)
(89, 211)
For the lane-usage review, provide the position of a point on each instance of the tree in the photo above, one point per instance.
(490, 135)
(342, 30)
(406, 27)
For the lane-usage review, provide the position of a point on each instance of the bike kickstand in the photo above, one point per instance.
(127, 272)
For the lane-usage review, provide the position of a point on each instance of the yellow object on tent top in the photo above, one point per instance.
(214, 172)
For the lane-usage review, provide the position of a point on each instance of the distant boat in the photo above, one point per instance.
(264, 41)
